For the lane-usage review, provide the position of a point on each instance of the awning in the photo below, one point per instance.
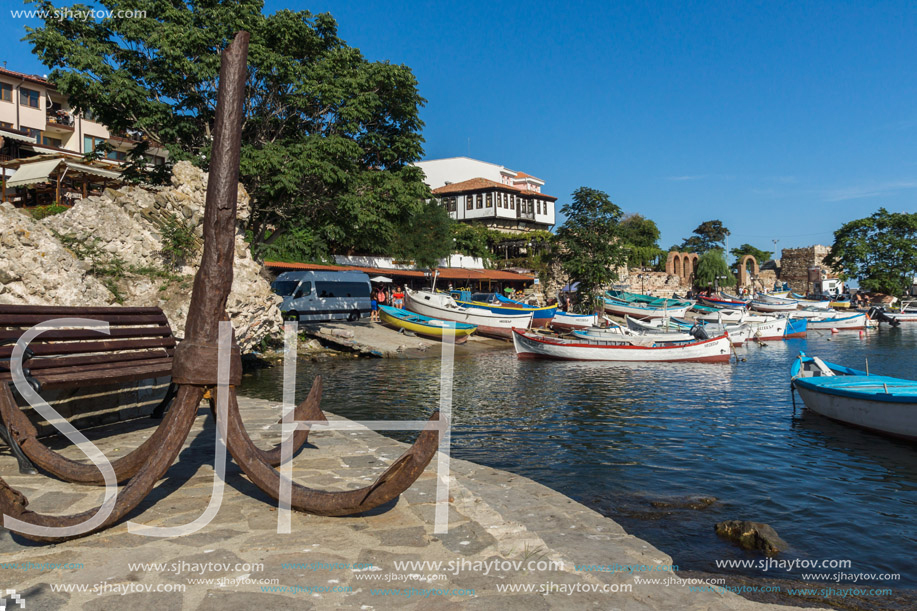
(15, 136)
(31, 173)
(88, 169)
(381, 279)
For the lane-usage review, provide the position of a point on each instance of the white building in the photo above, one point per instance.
(477, 191)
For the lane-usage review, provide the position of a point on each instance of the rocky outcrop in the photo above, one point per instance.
(752, 536)
(122, 232)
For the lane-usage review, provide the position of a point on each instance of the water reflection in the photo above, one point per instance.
(619, 436)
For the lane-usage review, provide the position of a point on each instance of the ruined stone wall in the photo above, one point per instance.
(795, 264)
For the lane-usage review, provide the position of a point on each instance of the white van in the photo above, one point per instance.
(323, 295)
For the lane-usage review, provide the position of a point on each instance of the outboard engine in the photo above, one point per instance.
(878, 313)
(700, 332)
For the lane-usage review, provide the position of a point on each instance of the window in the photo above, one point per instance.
(449, 204)
(6, 92)
(6, 125)
(155, 160)
(512, 203)
(284, 287)
(35, 133)
(499, 200)
(342, 289)
(479, 201)
(90, 143)
(490, 200)
(117, 155)
(51, 141)
(29, 97)
(469, 202)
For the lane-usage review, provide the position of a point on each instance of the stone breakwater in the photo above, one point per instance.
(496, 522)
(40, 262)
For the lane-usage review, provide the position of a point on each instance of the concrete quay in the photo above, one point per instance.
(239, 561)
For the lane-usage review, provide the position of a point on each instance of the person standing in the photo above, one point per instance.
(398, 297)
(374, 306)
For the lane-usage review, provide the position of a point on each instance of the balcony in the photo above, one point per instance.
(59, 121)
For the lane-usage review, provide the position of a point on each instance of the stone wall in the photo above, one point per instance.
(795, 264)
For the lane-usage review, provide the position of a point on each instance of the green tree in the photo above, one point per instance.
(880, 251)
(712, 270)
(327, 136)
(708, 235)
(590, 249)
(640, 236)
(427, 237)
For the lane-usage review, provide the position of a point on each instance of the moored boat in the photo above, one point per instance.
(773, 306)
(443, 307)
(882, 404)
(853, 321)
(622, 308)
(541, 315)
(908, 312)
(530, 345)
(566, 321)
(425, 325)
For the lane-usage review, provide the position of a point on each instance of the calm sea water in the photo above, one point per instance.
(632, 440)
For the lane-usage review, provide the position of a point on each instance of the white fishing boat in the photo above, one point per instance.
(530, 345)
(443, 307)
(656, 325)
(881, 404)
(852, 321)
(622, 308)
(565, 321)
(735, 315)
(811, 313)
(773, 306)
(774, 329)
(908, 312)
(622, 334)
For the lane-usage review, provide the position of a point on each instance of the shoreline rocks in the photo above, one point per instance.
(752, 536)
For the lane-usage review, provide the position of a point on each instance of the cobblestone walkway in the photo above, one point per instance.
(238, 561)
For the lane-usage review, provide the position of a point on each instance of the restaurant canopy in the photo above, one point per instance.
(40, 172)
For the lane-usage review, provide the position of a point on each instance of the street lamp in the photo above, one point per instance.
(716, 288)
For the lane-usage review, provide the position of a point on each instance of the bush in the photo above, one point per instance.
(42, 212)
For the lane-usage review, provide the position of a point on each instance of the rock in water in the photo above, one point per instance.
(752, 536)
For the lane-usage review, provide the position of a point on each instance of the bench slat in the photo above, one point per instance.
(89, 347)
(80, 334)
(28, 320)
(76, 310)
(100, 378)
(41, 364)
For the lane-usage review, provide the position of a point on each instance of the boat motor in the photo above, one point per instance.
(878, 313)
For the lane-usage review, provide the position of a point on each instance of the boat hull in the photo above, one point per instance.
(857, 321)
(541, 317)
(761, 306)
(623, 309)
(488, 323)
(532, 347)
(427, 329)
(565, 322)
(894, 419)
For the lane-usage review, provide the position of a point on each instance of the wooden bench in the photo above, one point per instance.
(139, 346)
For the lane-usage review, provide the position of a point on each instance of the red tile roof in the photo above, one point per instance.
(29, 77)
(480, 184)
(524, 175)
(446, 273)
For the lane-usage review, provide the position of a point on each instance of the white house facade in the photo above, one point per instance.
(481, 192)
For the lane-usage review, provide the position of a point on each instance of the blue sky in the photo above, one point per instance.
(783, 120)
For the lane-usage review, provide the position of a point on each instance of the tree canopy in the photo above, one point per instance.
(640, 236)
(590, 249)
(327, 136)
(707, 236)
(712, 271)
(880, 251)
(747, 249)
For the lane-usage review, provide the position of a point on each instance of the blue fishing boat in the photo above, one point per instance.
(796, 327)
(882, 404)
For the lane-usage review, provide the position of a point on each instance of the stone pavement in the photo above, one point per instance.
(239, 561)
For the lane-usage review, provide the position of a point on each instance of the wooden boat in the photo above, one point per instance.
(805, 301)
(814, 313)
(622, 308)
(530, 345)
(424, 325)
(852, 321)
(656, 325)
(796, 327)
(735, 315)
(908, 312)
(649, 300)
(721, 302)
(566, 321)
(774, 299)
(882, 404)
(443, 307)
(637, 338)
(773, 306)
(541, 316)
